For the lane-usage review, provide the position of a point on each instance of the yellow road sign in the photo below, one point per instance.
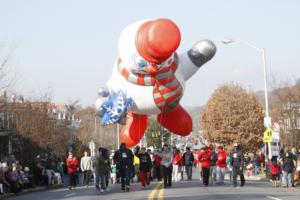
(268, 135)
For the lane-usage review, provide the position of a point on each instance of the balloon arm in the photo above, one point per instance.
(195, 57)
(104, 92)
(103, 95)
(202, 52)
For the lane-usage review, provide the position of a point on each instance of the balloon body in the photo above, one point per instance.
(149, 79)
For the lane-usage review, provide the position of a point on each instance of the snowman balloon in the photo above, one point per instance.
(149, 79)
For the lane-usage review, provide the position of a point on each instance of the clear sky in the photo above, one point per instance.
(70, 45)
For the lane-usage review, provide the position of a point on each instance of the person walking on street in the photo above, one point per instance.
(72, 165)
(93, 166)
(221, 165)
(177, 165)
(229, 167)
(113, 172)
(85, 165)
(237, 163)
(261, 162)
(287, 168)
(136, 169)
(105, 154)
(204, 159)
(124, 161)
(61, 168)
(213, 165)
(145, 166)
(157, 166)
(188, 162)
(295, 158)
(167, 167)
(101, 169)
(274, 170)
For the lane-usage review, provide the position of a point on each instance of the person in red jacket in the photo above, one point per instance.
(72, 165)
(196, 157)
(274, 171)
(204, 159)
(177, 165)
(221, 164)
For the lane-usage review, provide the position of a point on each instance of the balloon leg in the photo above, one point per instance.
(177, 121)
(134, 129)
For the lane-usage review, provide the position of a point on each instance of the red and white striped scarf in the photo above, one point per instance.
(167, 91)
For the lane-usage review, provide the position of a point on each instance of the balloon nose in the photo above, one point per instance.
(156, 40)
(151, 69)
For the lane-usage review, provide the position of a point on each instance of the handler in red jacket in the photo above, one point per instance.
(72, 165)
(177, 165)
(221, 165)
(204, 159)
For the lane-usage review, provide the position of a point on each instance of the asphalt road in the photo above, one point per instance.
(186, 190)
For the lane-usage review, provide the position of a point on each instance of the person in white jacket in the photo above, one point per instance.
(86, 165)
(166, 163)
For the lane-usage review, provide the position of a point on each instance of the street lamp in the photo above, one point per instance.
(118, 136)
(262, 51)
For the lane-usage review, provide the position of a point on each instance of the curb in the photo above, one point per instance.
(256, 178)
(31, 190)
(252, 178)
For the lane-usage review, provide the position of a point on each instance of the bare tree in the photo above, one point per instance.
(90, 129)
(36, 130)
(7, 77)
(285, 108)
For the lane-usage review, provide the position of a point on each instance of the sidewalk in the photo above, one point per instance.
(31, 190)
(261, 177)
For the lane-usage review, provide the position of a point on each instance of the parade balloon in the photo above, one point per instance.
(149, 78)
(115, 108)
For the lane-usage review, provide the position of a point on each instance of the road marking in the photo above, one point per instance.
(161, 194)
(71, 194)
(153, 192)
(274, 198)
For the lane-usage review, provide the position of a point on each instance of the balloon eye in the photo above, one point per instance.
(140, 62)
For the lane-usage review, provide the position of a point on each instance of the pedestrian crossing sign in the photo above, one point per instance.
(268, 135)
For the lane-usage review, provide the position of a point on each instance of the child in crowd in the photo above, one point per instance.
(274, 171)
(113, 172)
(229, 168)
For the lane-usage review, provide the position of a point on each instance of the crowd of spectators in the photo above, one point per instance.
(13, 176)
(42, 171)
(47, 170)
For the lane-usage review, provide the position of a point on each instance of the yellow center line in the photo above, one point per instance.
(161, 194)
(154, 190)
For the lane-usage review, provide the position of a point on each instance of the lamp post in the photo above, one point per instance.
(262, 51)
(267, 119)
(92, 147)
(118, 136)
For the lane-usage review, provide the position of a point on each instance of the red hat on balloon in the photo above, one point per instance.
(156, 40)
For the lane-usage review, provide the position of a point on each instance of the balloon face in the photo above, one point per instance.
(131, 46)
(126, 44)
